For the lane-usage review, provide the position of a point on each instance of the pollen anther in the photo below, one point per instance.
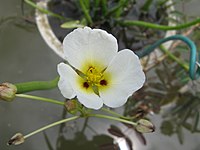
(93, 76)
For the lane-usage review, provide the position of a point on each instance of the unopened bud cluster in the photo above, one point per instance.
(7, 91)
(17, 139)
(72, 106)
(145, 126)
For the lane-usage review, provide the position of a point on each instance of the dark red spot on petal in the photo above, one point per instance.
(86, 85)
(103, 82)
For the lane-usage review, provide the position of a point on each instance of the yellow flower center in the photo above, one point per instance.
(93, 76)
(94, 79)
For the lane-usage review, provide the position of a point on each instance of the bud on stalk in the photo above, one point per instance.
(72, 106)
(7, 91)
(145, 126)
(17, 139)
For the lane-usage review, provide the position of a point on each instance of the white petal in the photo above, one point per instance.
(91, 45)
(126, 77)
(64, 81)
(87, 97)
(66, 89)
(90, 100)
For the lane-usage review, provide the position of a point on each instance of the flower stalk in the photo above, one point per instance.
(112, 118)
(121, 117)
(20, 138)
(66, 104)
(51, 125)
(40, 99)
(115, 114)
(144, 126)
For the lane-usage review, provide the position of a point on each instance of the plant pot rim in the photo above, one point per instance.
(54, 43)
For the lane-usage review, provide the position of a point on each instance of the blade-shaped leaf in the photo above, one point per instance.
(72, 24)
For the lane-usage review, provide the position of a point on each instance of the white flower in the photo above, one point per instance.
(107, 76)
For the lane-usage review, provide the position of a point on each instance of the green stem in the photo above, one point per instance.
(85, 125)
(173, 57)
(118, 10)
(96, 7)
(43, 10)
(114, 113)
(112, 118)
(156, 26)
(104, 7)
(87, 4)
(36, 85)
(146, 5)
(86, 12)
(51, 125)
(91, 128)
(40, 99)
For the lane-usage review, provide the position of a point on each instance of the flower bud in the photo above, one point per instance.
(7, 91)
(16, 139)
(71, 106)
(145, 126)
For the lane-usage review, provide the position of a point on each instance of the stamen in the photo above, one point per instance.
(103, 82)
(86, 85)
(94, 79)
(94, 76)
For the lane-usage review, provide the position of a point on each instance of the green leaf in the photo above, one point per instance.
(86, 11)
(180, 108)
(72, 24)
(195, 121)
(48, 141)
(118, 9)
(177, 13)
(146, 6)
(43, 10)
(167, 128)
(180, 134)
(187, 126)
(87, 4)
